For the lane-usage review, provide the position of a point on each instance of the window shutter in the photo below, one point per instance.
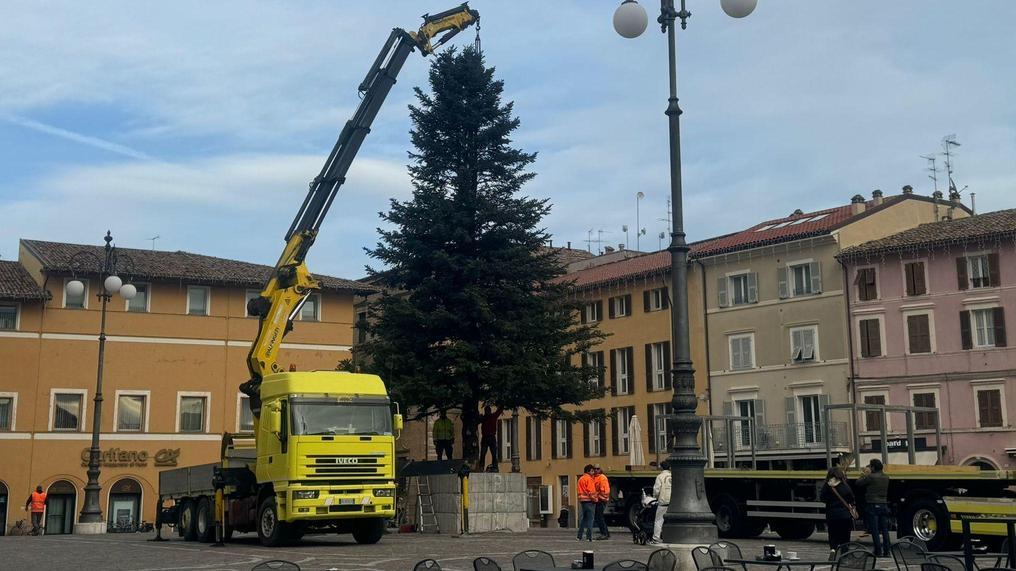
(571, 451)
(791, 433)
(823, 401)
(645, 301)
(816, 277)
(920, 288)
(993, 270)
(781, 276)
(999, 326)
(611, 302)
(539, 437)
(667, 380)
(918, 333)
(760, 414)
(613, 372)
(965, 337)
(961, 273)
(753, 287)
(585, 438)
(862, 327)
(984, 403)
(874, 338)
(583, 314)
(600, 373)
(553, 439)
(666, 297)
(529, 438)
(631, 370)
(613, 430)
(649, 367)
(721, 291)
(908, 278)
(651, 423)
(728, 408)
(627, 304)
(599, 310)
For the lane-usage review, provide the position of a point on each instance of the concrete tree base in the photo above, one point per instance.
(89, 528)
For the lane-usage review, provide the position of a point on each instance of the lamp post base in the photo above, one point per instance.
(97, 528)
(682, 551)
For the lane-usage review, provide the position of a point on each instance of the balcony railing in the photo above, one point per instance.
(797, 436)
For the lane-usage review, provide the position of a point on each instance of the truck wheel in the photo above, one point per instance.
(271, 531)
(369, 531)
(793, 530)
(205, 521)
(729, 520)
(187, 521)
(926, 520)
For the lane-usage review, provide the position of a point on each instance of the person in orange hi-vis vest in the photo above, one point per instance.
(602, 497)
(37, 501)
(587, 502)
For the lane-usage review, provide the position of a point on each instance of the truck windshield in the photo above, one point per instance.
(318, 417)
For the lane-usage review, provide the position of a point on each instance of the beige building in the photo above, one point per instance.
(779, 349)
(175, 356)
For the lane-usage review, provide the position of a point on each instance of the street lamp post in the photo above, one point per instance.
(688, 520)
(108, 266)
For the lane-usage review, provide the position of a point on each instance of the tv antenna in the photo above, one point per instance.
(667, 219)
(948, 142)
(599, 239)
(589, 241)
(153, 239)
(932, 169)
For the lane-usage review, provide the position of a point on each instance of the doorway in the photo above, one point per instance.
(811, 414)
(62, 501)
(124, 507)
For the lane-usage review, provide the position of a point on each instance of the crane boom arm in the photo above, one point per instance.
(291, 282)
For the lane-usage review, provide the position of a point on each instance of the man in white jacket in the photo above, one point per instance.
(661, 491)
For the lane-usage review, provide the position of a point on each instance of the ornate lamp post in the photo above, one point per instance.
(107, 266)
(688, 519)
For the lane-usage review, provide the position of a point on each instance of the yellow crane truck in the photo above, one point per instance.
(322, 454)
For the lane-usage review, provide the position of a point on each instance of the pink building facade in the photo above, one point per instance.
(931, 309)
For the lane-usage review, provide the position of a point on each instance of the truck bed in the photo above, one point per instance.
(192, 481)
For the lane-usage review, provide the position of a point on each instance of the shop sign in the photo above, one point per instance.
(120, 458)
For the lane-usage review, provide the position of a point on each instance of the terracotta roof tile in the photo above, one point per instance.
(196, 268)
(17, 284)
(982, 226)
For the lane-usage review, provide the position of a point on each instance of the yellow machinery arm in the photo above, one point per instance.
(291, 282)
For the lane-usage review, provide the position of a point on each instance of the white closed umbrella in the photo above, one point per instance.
(635, 455)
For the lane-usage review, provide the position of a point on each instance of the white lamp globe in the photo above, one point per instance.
(75, 288)
(738, 8)
(630, 19)
(112, 284)
(128, 291)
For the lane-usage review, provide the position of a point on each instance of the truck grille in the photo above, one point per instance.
(341, 467)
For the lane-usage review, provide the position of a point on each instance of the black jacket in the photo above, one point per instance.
(875, 487)
(834, 507)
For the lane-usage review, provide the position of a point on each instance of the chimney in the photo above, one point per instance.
(797, 212)
(937, 195)
(620, 247)
(954, 196)
(908, 189)
(857, 204)
(569, 244)
(876, 197)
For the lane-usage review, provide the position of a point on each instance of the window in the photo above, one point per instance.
(800, 278)
(620, 306)
(8, 317)
(978, 271)
(594, 431)
(68, 411)
(8, 406)
(311, 310)
(983, 328)
(622, 418)
(990, 413)
(918, 333)
(738, 289)
(197, 300)
(361, 327)
(804, 344)
(504, 438)
(139, 303)
(870, 337)
(657, 363)
(913, 275)
(534, 438)
(811, 414)
(924, 420)
(247, 297)
(594, 360)
(244, 416)
(655, 299)
(867, 289)
(622, 370)
(561, 436)
(592, 312)
(873, 418)
(131, 412)
(745, 409)
(658, 427)
(742, 354)
(191, 413)
(76, 301)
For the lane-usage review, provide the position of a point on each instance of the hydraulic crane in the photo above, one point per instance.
(291, 282)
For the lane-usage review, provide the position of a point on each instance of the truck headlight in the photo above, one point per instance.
(384, 492)
(305, 495)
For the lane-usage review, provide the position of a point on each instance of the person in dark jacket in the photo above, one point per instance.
(874, 482)
(839, 521)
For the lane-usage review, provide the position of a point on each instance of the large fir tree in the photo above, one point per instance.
(479, 317)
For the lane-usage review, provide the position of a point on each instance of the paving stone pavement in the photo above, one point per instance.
(396, 552)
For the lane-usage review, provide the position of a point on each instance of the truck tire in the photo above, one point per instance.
(271, 531)
(205, 521)
(369, 531)
(186, 524)
(730, 522)
(925, 519)
(793, 530)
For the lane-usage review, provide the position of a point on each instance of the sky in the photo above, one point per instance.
(203, 122)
